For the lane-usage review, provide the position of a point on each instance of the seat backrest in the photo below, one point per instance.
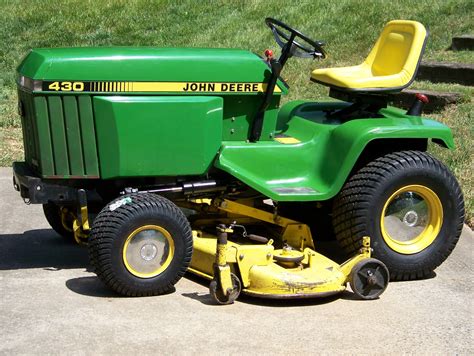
(399, 48)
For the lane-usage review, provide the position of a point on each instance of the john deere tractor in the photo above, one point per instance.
(167, 160)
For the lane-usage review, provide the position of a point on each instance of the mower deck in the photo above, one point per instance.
(295, 270)
(263, 276)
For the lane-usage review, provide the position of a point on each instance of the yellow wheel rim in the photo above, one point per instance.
(411, 219)
(148, 251)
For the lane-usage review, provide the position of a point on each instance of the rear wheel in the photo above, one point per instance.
(53, 214)
(140, 245)
(409, 204)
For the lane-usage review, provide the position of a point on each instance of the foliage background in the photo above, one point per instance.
(349, 27)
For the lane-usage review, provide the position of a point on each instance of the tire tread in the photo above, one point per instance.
(106, 227)
(352, 206)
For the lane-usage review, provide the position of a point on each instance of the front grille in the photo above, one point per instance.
(30, 137)
(59, 135)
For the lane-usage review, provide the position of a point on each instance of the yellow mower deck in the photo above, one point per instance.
(295, 271)
(261, 276)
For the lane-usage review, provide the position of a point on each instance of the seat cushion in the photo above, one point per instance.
(359, 77)
(390, 66)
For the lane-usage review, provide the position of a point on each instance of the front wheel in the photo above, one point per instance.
(410, 205)
(140, 245)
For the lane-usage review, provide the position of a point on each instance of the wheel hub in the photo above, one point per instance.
(371, 278)
(148, 251)
(411, 218)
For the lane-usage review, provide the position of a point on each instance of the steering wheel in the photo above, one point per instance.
(308, 48)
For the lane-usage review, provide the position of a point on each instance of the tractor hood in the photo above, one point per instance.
(177, 66)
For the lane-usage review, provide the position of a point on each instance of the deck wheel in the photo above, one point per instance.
(218, 296)
(369, 279)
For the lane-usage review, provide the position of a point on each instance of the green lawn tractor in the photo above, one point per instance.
(164, 160)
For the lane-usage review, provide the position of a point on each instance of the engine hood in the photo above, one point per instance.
(146, 64)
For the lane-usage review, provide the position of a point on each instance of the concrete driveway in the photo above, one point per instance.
(51, 304)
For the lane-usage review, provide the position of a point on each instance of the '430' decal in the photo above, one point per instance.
(66, 86)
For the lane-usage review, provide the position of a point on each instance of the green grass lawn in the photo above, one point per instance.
(349, 28)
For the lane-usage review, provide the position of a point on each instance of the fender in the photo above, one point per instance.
(316, 167)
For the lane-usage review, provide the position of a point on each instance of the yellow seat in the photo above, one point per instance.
(390, 66)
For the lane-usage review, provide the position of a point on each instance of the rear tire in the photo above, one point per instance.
(140, 245)
(52, 213)
(409, 204)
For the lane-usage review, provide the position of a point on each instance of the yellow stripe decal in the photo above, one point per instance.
(198, 87)
(165, 87)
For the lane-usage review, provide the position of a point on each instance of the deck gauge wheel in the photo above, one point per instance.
(219, 297)
(369, 278)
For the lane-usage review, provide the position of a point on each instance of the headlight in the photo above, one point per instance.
(29, 84)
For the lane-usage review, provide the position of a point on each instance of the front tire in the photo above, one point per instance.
(140, 245)
(409, 204)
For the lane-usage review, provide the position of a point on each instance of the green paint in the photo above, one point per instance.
(146, 64)
(61, 122)
(157, 136)
(89, 145)
(316, 168)
(187, 134)
(44, 137)
(58, 135)
(61, 135)
(73, 136)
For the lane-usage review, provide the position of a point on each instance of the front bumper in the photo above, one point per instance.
(34, 190)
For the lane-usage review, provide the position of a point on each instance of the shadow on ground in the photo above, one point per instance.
(45, 249)
(205, 298)
(40, 249)
(93, 287)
